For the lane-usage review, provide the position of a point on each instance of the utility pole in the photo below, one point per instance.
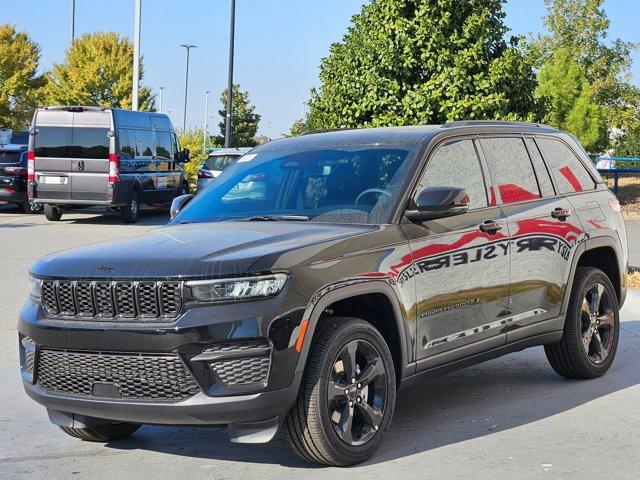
(161, 95)
(186, 85)
(227, 132)
(269, 123)
(206, 118)
(73, 21)
(136, 56)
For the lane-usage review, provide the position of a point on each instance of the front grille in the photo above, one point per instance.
(241, 366)
(146, 300)
(128, 376)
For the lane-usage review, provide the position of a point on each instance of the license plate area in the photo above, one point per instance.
(52, 180)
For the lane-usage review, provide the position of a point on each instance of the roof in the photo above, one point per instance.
(229, 151)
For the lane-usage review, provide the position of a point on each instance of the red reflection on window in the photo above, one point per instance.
(512, 193)
(571, 178)
(492, 202)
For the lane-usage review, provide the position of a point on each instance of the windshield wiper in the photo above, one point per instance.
(276, 218)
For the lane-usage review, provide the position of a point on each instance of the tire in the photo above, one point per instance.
(30, 208)
(311, 426)
(131, 211)
(591, 332)
(53, 214)
(105, 432)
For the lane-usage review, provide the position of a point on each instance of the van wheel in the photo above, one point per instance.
(591, 330)
(53, 214)
(131, 211)
(28, 207)
(346, 400)
(103, 432)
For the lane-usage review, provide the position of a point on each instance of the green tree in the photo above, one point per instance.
(193, 139)
(628, 145)
(20, 85)
(98, 70)
(581, 28)
(406, 62)
(567, 93)
(244, 120)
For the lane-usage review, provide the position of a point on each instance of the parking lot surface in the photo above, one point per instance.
(508, 418)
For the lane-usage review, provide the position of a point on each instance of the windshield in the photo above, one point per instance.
(219, 162)
(340, 185)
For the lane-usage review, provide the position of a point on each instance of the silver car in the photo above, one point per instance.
(217, 162)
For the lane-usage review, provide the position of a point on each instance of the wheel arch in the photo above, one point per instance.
(348, 300)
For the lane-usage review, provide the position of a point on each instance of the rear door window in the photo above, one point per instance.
(163, 145)
(90, 143)
(544, 180)
(53, 142)
(512, 169)
(568, 171)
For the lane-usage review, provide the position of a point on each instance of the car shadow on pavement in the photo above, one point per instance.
(147, 217)
(502, 394)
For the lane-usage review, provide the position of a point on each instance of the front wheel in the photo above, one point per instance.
(103, 432)
(592, 327)
(347, 397)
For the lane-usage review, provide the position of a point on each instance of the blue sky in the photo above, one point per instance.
(279, 44)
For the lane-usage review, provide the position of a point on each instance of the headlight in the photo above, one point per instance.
(236, 289)
(35, 289)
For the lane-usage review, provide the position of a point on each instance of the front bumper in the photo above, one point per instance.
(190, 338)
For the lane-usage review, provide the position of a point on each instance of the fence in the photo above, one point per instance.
(607, 166)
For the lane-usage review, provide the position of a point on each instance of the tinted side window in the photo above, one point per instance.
(567, 170)
(144, 143)
(53, 141)
(544, 180)
(512, 169)
(456, 164)
(127, 143)
(163, 144)
(90, 143)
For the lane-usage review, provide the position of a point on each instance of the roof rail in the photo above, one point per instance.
(470, 123)
(76, 108)
(327, 130)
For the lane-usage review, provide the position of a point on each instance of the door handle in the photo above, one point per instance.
(490, 226)
(561, 213)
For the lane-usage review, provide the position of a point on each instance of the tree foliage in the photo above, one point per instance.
(244, 120)
(406, 62)
(20, 84)
(193, 139)
(97, 70)
(570, 104)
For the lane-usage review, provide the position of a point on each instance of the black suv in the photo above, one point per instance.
(319, 274)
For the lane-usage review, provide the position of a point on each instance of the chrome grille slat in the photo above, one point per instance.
(103, 300)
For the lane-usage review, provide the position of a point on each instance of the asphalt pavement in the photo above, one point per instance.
(509, 418)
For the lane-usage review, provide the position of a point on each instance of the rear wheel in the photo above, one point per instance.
(53, 214)
(131, 211)
(347, 397)
(590, 339)
(104, 432)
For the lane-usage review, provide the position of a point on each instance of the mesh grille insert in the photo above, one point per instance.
(239, 369)
(135, 376)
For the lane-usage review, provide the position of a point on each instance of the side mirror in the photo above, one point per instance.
(186, 155)
(178, 204)
(439, 202)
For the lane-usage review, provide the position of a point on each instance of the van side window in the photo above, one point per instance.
(567, 170)
(512, 168)
(175, 148)
(456, 164)
(144, 143)
(163, 145)
(544, 180)
(127, 144)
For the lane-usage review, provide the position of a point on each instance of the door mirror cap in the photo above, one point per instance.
(179, 203)
(186, 155)
(439, 202)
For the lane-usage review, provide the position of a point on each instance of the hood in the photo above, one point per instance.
(201, 250)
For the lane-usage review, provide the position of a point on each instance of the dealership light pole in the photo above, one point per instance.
(227, 131)
(73, 20)
(188, 47)
(136, 56)
(206, 118)
(161, 95)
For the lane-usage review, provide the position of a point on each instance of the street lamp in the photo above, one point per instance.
(136, 56)
(186, 85)
(73, 20)
(227, 132)
(206, 115)
(161, 95)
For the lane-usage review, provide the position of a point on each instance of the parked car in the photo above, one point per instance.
(358, 262)
(217, 162)
(13, 170)
(90, 156)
